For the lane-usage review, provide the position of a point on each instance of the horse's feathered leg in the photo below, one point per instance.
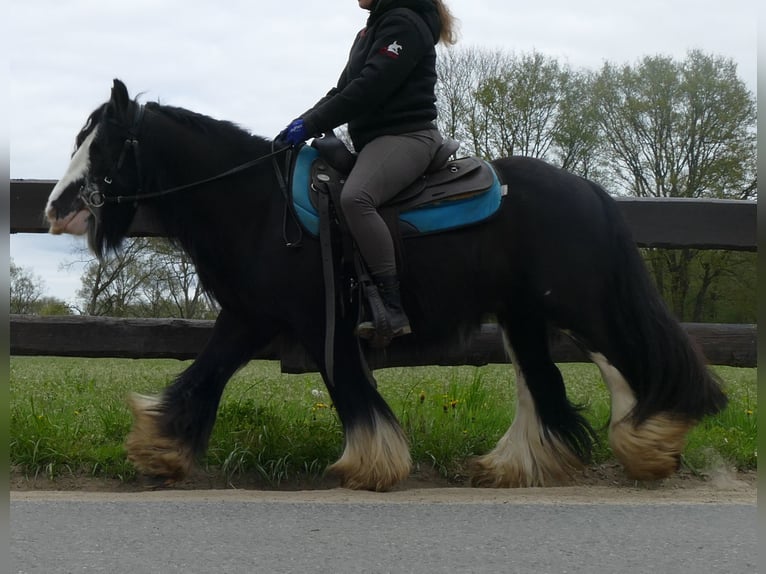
(650, 449)
(376, 453)
(549, 439)
(170, 431)
(659, 384)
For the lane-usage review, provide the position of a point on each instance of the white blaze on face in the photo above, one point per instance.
(72, 216)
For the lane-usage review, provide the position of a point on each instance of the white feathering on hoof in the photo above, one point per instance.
(375, 458)
(525, 455)
(650, 450)
(153, 453)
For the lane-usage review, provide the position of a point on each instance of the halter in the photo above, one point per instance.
(95, 198)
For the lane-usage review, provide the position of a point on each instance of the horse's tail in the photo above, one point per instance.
(661, 364)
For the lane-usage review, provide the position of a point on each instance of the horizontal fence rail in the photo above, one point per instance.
(74, 336)
(655, 222)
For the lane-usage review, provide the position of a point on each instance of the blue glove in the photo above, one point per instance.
(295, 133)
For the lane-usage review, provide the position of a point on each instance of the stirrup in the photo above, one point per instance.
(367, 330)
(379, 330)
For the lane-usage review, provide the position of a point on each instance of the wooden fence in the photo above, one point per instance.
(669, 223)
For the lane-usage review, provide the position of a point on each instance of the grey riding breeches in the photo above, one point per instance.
(384, 167)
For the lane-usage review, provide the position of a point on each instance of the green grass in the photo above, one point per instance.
(68, 416)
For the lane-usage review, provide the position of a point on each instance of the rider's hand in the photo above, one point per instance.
(294, 134)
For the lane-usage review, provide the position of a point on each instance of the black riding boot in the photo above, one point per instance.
(390, 321)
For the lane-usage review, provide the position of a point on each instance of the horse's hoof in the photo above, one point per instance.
(484, 473)
(376, 457)
(516, 464)
(149, 449)
(651, 450)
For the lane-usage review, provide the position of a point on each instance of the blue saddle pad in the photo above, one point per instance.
(443, 216)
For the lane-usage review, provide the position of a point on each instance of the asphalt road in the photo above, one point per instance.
(212, 533)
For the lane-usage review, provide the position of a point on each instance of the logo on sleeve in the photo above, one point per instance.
(393, 50)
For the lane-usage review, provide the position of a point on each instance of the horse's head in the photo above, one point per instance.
(103, 167)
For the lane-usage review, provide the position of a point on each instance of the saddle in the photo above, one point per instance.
(450, 193)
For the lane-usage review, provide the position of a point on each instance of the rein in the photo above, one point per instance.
(96, 199)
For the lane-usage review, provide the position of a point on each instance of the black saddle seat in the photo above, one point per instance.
(335, 153)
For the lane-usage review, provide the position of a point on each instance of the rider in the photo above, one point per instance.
(386, 95)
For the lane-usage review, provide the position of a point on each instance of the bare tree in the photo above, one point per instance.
(148, 277)
(111, 285)
(175, 284)
(461, 116)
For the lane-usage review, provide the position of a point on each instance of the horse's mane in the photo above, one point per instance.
(203, 124)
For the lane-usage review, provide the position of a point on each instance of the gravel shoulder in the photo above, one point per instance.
(603, 484)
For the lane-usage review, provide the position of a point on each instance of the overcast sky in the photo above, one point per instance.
(260, 64)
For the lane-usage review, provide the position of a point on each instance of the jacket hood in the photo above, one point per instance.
(424, 8)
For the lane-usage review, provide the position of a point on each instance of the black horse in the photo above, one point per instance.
(556, 255)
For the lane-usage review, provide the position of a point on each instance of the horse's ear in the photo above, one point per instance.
(120, 98)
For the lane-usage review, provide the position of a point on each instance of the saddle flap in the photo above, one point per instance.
(460, 178)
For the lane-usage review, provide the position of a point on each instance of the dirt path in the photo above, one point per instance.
(597, 484)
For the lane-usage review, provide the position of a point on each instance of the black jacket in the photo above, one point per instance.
(387, 86)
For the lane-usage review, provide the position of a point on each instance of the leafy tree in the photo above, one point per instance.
(26, 290)
(498, 105)
(680, 129)
(522, 105)
(576, 141)
(729, 289)
(52, 306)
(27, 295)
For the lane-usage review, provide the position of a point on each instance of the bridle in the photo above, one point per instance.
(95, 199)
